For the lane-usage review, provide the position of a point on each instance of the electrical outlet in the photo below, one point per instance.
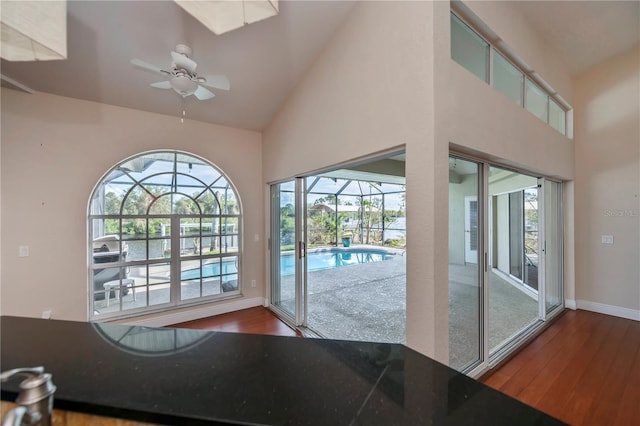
(23, 251)
(46, 314)
(253, 283)
(607, 239)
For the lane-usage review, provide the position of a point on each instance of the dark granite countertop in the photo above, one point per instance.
(179, 376)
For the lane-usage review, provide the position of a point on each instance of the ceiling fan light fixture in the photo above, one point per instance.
(221, 16)
(183, 85)
(33, 30)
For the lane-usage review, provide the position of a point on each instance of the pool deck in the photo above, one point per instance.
(364, 302)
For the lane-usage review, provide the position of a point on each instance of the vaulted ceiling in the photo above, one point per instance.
(265, 60)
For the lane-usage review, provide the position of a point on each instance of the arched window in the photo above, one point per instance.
(164, 231)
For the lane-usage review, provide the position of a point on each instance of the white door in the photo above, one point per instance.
(471, 229)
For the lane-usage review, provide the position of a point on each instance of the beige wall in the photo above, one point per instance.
(477, 119)
(54, 150)
(385, 79)
(474, 118)
(512, 27)
(607, 186)
(367, 92)
(370, 91)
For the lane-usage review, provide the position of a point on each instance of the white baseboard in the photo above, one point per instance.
(570, 303)
(196, 313)
(601, 308)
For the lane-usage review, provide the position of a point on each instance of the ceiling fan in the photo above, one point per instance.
(182, 76)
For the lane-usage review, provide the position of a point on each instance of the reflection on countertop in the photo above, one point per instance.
(173, 376)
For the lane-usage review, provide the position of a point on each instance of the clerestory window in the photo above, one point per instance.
(485, 61)
(165, 230)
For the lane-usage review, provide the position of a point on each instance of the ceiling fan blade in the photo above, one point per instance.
(203, 94)
(217, 81)
(146, 66)
(183, 62)
(162, 85)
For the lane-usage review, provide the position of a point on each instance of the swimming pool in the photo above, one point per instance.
(316, 261)
(333, 258)
(213, 269)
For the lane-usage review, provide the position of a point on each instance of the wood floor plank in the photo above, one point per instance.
(581, 404)
(564, 363)
(548, 340)
(596, 382)
(536, 358)
(497, 379)
(628, 410)
(256, 320)
(566, 379)
(607, 402)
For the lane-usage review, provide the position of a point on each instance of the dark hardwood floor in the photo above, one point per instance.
(256, 320)
(584, 369)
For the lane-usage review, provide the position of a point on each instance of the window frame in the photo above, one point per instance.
(523, 90)
(488, 49)
(492, 50)
(187, 217)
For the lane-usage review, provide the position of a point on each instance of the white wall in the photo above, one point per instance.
(607, 186)
(54, 150)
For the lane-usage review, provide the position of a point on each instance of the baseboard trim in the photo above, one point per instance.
(195, 313)
(601, 308)
(570, 304)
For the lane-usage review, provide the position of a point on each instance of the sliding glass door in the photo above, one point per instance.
(465, 264)
(507, 290)
(286, 251)
(512, 276)
(552, 248)
(337, 251)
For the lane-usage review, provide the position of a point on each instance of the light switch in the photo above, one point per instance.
(23, 251)
(256, 238)
(607, 239)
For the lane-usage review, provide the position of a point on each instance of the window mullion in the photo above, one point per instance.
(154, 263)
(174, 265)
(490, 64)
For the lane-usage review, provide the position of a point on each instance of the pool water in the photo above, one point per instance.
(210, 270)
(316, 261)
(328, 259)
